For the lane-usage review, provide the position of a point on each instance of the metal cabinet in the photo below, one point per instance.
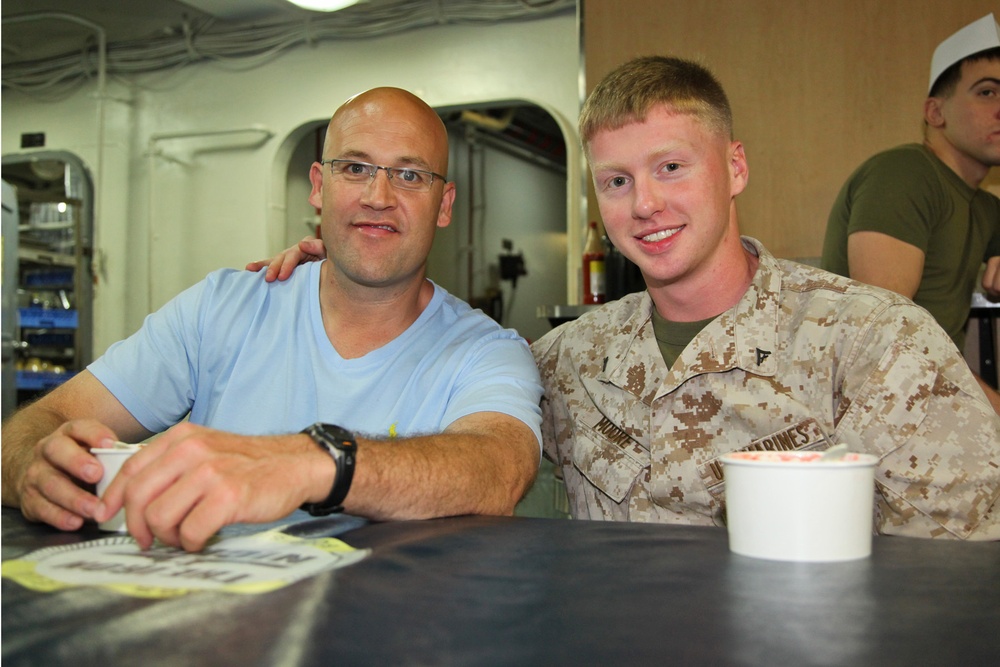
(52, 287)
(9, 285)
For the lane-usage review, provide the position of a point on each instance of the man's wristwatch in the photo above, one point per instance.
(340, 444)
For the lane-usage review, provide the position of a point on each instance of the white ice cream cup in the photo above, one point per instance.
(111, 459)
(796, 506)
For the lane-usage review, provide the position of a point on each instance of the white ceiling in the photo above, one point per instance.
(42, 30)
(124, 20)
(528, 129)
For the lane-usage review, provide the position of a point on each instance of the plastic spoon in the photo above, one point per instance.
(835, 452)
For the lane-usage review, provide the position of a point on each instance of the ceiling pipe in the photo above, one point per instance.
(488, 122)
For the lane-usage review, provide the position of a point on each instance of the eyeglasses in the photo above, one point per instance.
(403, 178)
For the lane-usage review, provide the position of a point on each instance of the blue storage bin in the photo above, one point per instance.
(54, 278)
(48, 318)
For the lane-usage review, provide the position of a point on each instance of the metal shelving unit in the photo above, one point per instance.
(53, 291)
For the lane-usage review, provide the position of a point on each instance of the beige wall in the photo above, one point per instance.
(816, 86)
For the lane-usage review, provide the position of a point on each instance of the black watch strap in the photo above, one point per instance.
(340, 444)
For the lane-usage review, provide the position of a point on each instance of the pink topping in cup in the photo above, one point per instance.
(787, 457)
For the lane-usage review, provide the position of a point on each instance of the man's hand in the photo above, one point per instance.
(49, 489)
(991, 278)
(309, 249)
(191, 481)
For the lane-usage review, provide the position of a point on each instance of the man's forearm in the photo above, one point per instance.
(262, 478)
(82, 397)
(444, 475)
(21, 433)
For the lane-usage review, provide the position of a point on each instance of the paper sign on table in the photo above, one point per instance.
(245, 564)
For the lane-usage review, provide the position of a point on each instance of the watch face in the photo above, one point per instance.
(339, 437)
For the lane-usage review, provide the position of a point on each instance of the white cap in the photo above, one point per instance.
(973, 38)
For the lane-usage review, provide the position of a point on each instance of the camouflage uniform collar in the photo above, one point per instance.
(754, 320)
(633, 362)
(745, 337)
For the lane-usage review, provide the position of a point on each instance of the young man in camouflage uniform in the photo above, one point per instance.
(732, 349)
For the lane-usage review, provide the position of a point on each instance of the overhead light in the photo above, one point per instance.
(324, 5)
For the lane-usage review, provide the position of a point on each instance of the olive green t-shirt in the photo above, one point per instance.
(673, 337)
(909, 194)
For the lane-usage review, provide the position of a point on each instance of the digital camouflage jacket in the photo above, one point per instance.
(805, 360)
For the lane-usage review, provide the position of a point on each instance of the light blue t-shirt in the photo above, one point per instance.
(251, 357)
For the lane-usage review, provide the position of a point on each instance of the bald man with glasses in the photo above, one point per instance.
(357, 385)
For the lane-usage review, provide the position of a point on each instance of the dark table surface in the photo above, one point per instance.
(510, 591)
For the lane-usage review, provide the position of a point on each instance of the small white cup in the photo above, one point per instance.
(796, 506)
(111, 459)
